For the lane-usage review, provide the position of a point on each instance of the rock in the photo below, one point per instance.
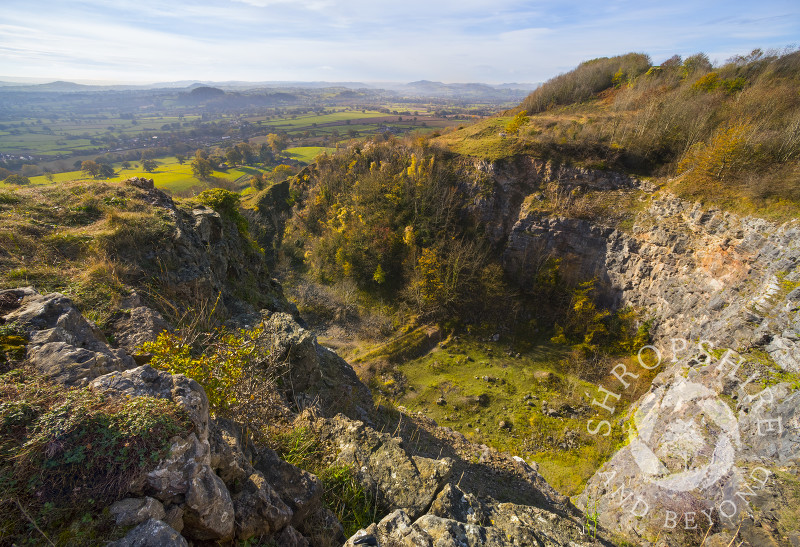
(145, 380)
(63, 345)
(228, 458)
(174, 517)
(383, 466)
(292, 343)
(289, 537)
(259, 509)
(453, 503)
(299, 489)
(152, 533)
(131, 511)
(315, 370)
(393, 529)
(185, 477)
(135, 327)
(140, 182)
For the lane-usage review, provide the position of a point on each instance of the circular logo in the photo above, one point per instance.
(684, 437)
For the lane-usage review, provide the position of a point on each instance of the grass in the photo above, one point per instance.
(307, 154)
(67, 454)
(343, 494)
(472, 386)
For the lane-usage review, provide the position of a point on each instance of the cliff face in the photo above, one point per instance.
(712, 444)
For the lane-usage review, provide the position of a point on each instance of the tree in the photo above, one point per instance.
(517, 123)
(106, 170)
(277, 143)
(126, 165)
(201, 166)
(149, 165)
(233, 155)
(19, 180)
(29, 170)
(181, 158)
(91, 168)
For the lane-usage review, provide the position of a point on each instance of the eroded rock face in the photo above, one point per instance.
(316, 375)
(382, 465)
(63, 345)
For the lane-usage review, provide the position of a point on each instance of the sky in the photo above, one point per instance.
(491, 41)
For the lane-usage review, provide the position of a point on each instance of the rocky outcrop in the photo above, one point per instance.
(62, 344)
(709, 443)
(458, 518)
(382, 465)
(317, 376)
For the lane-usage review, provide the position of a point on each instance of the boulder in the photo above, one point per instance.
(63, 345)
(298, 489)
(131, 511)
(134, 327)
(145, 380)
(290, 537)
(152, 533)
(185, 478)
(259, 509)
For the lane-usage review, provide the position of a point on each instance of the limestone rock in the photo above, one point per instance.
(384, 467)
(185, 477)
(289, 537)
(63, 345)
(299, 489)
(152, 533)
(259, 509)
(134, 327)
(145, 380)
(130, 511)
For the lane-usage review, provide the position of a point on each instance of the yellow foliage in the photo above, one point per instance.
(218, 370)
(713, 161)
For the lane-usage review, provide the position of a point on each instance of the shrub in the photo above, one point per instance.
(233, 367)
(18, 180)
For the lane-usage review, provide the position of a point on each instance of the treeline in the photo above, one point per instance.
(389, 217)
(731, 130)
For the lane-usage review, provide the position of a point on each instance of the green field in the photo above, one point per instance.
(169, 175)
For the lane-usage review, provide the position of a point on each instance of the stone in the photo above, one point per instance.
(145, 380)
(185, 478)
(289, 537)
(383, 466)
(63, 345)
(152, 533)
(174, 517)
(300, 490)
(259, 509)
(140, 182)
(134, 327)
(131, 511)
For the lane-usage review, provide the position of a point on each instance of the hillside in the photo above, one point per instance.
(573, 324)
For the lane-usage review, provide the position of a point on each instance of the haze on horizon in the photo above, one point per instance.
(491, 41)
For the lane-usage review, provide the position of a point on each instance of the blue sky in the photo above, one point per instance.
(491, 41)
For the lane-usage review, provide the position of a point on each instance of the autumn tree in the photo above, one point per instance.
(277, 143)
(90, 168)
